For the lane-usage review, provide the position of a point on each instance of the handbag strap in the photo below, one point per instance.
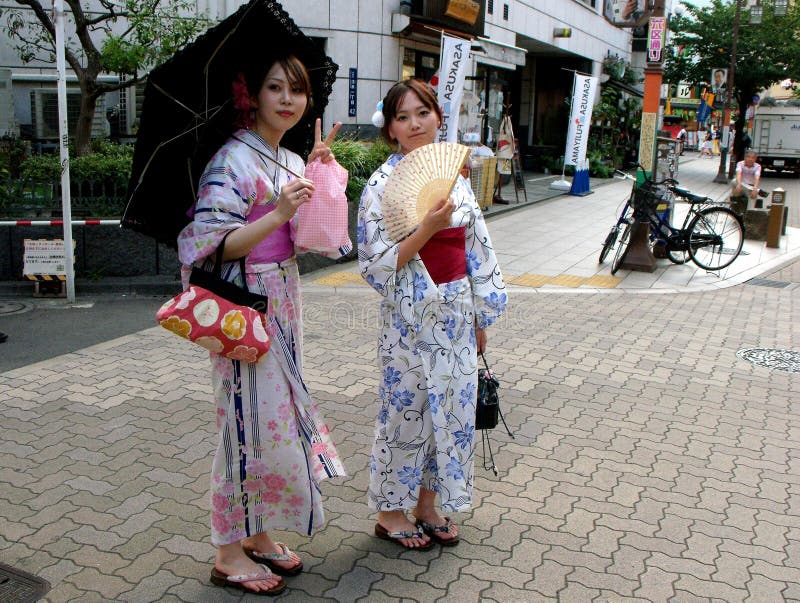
(217, 270)
(502, 418)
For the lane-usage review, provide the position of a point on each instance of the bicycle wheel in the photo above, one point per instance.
(716, 237)
(611, 239)
(622, 248)
(678, 257)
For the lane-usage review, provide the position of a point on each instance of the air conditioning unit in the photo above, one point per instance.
(8, 122)
(44, 109)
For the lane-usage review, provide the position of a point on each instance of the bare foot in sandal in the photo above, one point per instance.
(441, 529)
(393, 523)
(275, 555)
(232, 565)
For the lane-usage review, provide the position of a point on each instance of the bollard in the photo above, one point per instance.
(775, 223)
(639, 256)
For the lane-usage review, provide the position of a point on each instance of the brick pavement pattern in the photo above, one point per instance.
(650, 463)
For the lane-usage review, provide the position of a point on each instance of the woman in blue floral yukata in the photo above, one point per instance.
(441, 288)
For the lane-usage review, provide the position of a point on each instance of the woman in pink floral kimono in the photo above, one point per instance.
(273, 447)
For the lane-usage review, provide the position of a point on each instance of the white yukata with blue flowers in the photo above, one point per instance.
(425, 429)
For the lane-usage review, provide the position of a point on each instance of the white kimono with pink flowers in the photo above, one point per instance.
(274, 448)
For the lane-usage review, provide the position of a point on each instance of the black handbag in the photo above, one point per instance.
(487, 410)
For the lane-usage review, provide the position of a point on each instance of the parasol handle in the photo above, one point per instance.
(244, 142)
(260, 152)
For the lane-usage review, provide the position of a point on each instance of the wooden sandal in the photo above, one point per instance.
(269, 560)
(238, 581)
(395, 537)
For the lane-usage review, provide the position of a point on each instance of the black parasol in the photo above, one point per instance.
(188, 112)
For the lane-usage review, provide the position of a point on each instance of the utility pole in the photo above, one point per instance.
(722, 175)
(63, 143)
(653, 73)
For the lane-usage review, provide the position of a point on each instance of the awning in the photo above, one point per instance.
(624, 87)
(504, 53)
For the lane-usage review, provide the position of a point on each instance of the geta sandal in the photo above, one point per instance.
(238, 581)
(395, 537)
(269, 560)
(434, 531)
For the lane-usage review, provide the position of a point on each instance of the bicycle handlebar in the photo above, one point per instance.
(624, 176)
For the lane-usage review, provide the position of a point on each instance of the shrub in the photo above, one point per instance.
(360, 160)
(108, 162)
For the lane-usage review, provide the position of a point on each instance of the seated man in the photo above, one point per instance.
(748, 175)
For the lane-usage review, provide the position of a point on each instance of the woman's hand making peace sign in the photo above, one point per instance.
(322, 148)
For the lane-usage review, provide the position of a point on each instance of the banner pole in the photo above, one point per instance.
(563, 185)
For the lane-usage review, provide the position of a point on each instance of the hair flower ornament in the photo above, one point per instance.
(378, 119)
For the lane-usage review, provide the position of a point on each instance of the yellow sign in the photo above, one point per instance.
(463, 10)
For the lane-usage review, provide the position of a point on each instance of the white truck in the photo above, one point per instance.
(776, 136)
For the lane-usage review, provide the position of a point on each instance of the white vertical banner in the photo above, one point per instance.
(580, 118)
(453, 63)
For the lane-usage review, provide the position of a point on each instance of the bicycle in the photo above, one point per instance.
(710, 235)
(625, 218)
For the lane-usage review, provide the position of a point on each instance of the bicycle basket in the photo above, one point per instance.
(647, 197)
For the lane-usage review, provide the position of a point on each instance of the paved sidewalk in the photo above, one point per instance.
(555, 242)
(651, 463)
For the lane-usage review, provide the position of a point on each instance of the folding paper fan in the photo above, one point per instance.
(417, 182)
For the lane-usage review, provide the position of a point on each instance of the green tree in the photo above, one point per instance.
(702, 39)
(127, 37)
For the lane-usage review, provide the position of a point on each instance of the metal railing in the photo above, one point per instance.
(41, 199)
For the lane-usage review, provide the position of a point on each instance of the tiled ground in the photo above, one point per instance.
(555, 243)
(650, 463)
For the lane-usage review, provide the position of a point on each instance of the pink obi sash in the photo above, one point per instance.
(444, 255)
(276, 247)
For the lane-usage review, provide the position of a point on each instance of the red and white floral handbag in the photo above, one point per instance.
(218, 315)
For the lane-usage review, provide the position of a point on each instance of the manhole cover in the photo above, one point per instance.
(13, 307)
(779, 360)
(17, 586)
(765, 282)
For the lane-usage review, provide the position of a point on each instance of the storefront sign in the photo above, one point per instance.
(352, 92)
(580, 118)
(655, 39)
(463, 10)
(453, 65)
(684, 90)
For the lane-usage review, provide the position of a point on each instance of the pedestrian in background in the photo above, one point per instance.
(682, 138)
(705, 146)
(266, 472)
(441, 288)
(748, 176)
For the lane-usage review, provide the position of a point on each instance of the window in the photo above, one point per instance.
(419, 64)
(490, 7)
(505, 12)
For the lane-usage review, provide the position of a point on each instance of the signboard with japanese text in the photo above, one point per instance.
(44, 257)
(352, 93)
(463, 10)
(655, 39)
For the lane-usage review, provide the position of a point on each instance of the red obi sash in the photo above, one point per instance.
(444, 255)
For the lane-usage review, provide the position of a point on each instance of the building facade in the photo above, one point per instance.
(524, 53)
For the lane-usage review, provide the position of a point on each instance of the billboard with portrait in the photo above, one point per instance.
(631, 13)
(719, 84)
